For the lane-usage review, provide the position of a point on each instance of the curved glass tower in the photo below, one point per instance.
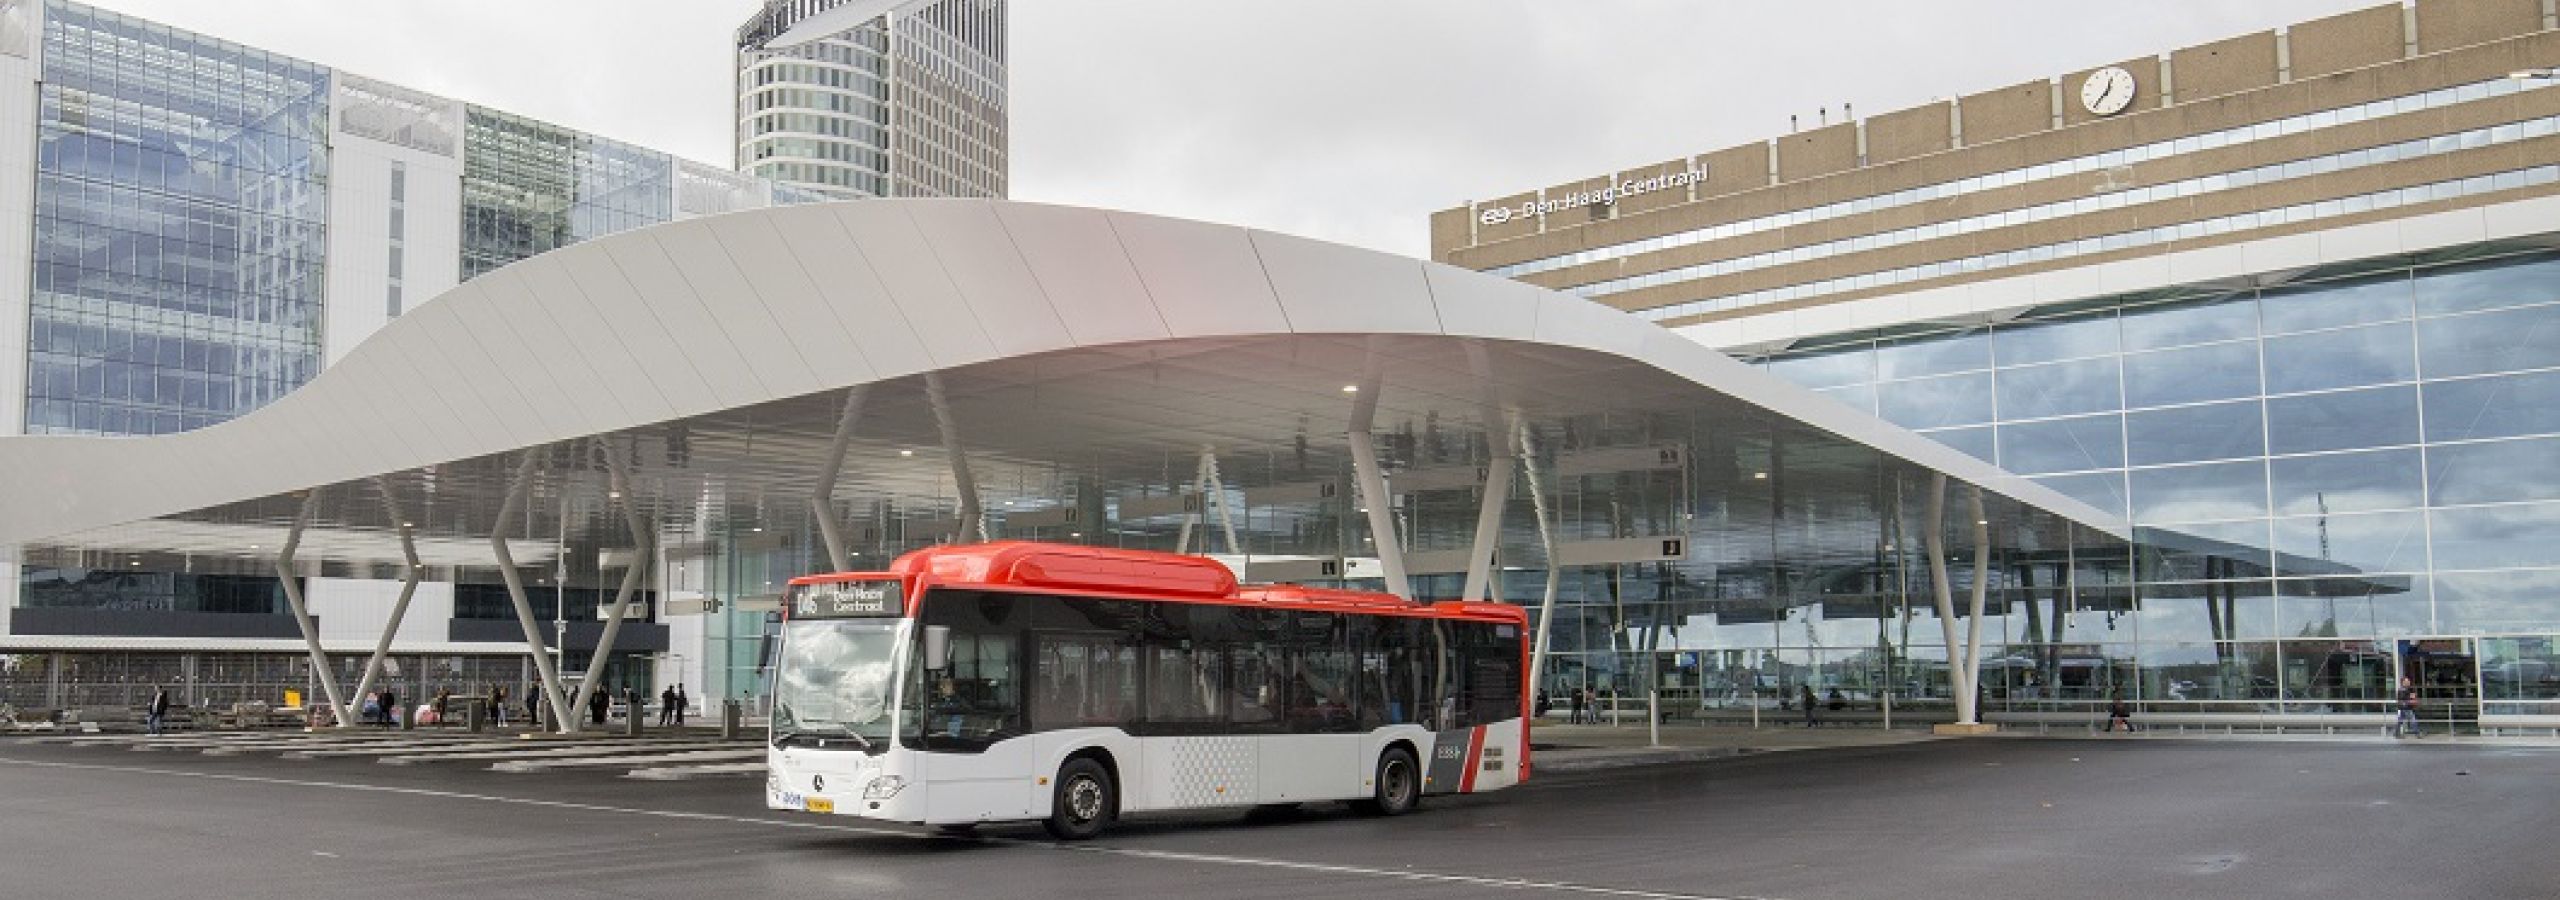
(875, 98)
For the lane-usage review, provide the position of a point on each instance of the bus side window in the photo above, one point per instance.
(1255, 690)
(1184, 684)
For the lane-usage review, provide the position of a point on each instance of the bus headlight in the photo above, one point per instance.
(884, 787)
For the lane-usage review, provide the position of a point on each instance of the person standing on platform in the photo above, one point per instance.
(597, 703)
(1805, 696)
(156, 716)
(666, 705)
(2407, 722)
(390, 708)
(533, 708)
(498, 703)
(681, 702)
(2119, 711)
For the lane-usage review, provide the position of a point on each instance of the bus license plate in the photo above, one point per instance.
(819, 805)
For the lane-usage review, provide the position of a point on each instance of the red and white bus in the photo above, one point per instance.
(1016, 681)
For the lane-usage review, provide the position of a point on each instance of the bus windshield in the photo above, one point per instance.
(834, 682)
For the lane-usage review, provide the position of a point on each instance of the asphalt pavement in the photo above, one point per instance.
(1988, 818)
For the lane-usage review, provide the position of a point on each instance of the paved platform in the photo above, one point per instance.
(1975, 818)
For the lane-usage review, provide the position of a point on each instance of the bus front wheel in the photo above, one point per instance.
(1399, 784)
(1086, 801)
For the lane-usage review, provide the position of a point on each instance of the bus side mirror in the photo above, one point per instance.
(937, 647)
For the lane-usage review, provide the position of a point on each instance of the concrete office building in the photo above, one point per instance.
(2290, 294)
(875, 98)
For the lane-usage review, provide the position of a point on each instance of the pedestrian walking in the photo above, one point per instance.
(1805, 696)
(156, 715)
(682, 701)
(2407, 722)
(498, 703)
(2119, 712)
(667, 705)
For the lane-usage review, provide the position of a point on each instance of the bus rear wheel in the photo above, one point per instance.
(1399, 785)
(1086, 801)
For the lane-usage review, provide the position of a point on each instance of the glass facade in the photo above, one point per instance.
(530, 186)
(181, 219)
(2322, 474)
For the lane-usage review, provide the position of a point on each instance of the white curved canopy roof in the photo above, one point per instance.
(720, 349)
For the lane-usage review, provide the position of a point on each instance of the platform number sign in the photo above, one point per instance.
(1675, 548)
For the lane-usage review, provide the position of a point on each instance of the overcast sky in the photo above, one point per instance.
(1347, 120)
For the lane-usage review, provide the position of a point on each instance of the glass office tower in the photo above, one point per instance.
(896, 99)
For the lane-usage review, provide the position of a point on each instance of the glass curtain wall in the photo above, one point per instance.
(2317, 471)
(181, 214)
(530, 186)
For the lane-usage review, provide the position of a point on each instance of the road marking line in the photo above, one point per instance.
(1162, 855)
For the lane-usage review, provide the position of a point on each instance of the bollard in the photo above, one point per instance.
(731, 717)
(408, 719)
(1653, 716)
(1888, 710)
(631, 722)
(475, 715)
(1755, 710)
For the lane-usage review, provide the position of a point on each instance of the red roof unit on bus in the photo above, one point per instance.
(1138, 574)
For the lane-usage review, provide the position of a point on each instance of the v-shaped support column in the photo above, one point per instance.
(1373, 489)
(822, 498)
(410, 574)
(631, 577)
(561, 717)
(973, 518)
(1547, 543)
(302, 612)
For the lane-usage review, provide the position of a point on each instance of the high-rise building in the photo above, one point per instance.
(2293, 292)
(875, 98)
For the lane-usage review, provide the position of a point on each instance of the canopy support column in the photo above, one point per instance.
(1373, 489)
(302, 611)
(562, 719)
(1497, 492)
(822, 499)
(1546, 541)
(972, 516)
(1969, 706)
(1199, 491)
(411, 572)
(638, 567)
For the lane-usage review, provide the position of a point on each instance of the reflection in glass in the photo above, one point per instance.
(2364, 542)
(2104, 490)
(2345, 482)
(2379, 606)
(2352, 357)
(2194, 433)
(2206, 611)
(2514, 281)
(2193, 322)
(1975, 442)
(2060, 389)
(2497, 537)
(2202, 551)
(2206, 671)
(2191, 375)
(2482, 343)
(2345, 420)
(2339, 675)
(2502, 406)
(2494, 602)
(1936, 402)
(2037, 342)
(2520, 668)
(2357, 301)
(2206, 492)
(1860, 397)
(2062, 445)
(1827, 369)
(2494, 472)
(1940, 355)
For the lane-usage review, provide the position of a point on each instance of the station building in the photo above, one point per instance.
(2289, 294)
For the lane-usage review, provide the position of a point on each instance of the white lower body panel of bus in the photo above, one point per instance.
(1015, 779)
